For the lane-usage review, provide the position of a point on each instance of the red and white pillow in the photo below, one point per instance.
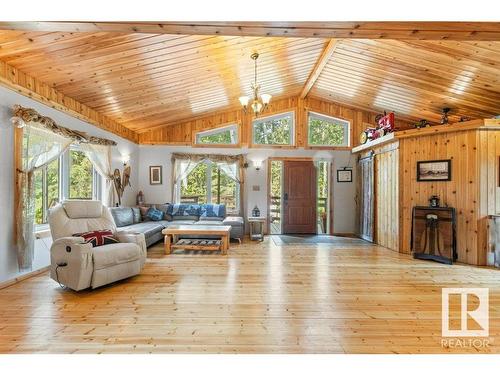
(98, 237)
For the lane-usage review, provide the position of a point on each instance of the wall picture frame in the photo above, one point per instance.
(344, 175)
(434, 170)
(155, 175)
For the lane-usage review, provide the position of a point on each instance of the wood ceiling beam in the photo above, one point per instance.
(473, 31)
(26, 85)
(318, 68)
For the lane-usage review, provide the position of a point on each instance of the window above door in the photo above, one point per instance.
(277, 130)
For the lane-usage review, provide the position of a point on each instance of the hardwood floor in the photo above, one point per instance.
(350, 296)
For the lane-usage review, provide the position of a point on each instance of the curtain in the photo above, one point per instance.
(230, 169)
(40, 147)
(182, 169)
(184, 164)
(100, 156)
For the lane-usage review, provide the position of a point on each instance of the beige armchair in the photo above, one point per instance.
(77, 264)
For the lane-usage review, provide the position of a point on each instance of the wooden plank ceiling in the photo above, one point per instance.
(145, 80)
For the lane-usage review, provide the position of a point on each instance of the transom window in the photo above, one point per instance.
(71, 176)
(227, 135)
(274, 130)
(209, 183)
(327, 131)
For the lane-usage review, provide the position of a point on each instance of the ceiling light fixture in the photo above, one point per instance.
(259, 102)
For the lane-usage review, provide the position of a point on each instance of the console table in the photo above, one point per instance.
(197, 242)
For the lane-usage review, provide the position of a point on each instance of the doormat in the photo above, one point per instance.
(289, 239)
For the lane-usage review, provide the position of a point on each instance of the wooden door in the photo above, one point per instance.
(366, 204)
(299, 197)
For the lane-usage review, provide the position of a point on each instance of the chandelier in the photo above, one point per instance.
(260, 102)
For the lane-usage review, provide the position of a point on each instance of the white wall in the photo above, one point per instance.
(344, 193)
(8, 260)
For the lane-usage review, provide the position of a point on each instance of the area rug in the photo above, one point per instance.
(288, 239)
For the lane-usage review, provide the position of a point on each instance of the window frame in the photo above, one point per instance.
(209, 163)
(211, 131)
(64, 165)
(45, 189)
(292, 143)
(96, 177)
(323, 117)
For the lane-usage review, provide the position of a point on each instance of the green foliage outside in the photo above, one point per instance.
(221, 138)
(46, 181)
(81, 176)
(222, 188)
(276, 131)
(325, 133)
(48, 190)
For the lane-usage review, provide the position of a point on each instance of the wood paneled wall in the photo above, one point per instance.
(387, 196)
(473, 190)
(461, 192)
(43, 93)
(181, 133)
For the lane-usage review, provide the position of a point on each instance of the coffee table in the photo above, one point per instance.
(172, 232)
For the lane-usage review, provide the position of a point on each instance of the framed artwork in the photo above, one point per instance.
(344, 175)
(434, 170)
(155, 175)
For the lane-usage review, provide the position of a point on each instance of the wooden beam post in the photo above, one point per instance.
(486, 31)
(318, 68)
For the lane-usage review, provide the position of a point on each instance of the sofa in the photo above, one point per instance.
(148, 221)
(76, 262)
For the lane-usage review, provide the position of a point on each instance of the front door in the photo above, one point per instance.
(299, 197)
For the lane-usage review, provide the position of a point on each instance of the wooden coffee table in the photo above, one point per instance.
(174, 231)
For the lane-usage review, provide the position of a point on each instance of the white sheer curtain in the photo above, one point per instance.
(182, 169)
(100, 156)
(40, 147)
(230, 169)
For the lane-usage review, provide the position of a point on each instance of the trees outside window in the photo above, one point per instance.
(81, 176)
(71, 176)
(327, 131)
(207, 183)
(227, 135)
(46, 190)
(274, 130)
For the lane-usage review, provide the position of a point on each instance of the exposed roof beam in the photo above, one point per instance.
(351, 30)
(318, 68)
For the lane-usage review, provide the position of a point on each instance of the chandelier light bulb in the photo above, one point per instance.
(244, 100)
(266, 98)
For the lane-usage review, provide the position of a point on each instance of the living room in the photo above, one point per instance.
(249, 187)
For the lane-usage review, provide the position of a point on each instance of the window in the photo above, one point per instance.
(207, 183)
(71, 176)
(327, 131)
(81, 176)
(227, 135)
(46, 190)
(274, 130)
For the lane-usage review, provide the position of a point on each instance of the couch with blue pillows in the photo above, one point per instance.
(152, 219)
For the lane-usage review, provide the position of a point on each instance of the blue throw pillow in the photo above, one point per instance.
(154, 214)
(213, 210)
(184, 209)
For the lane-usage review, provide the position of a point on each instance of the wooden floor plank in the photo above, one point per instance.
(344, 297)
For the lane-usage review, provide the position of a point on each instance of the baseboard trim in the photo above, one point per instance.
(18, 279)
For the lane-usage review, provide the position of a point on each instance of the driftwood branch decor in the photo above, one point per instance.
(24, 115)
(121, 181)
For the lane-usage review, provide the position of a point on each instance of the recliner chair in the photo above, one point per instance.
(77, 264)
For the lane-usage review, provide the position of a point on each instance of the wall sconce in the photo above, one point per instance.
(257, 164)
(125, 159)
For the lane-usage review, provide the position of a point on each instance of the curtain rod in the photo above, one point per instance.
(23, 116)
